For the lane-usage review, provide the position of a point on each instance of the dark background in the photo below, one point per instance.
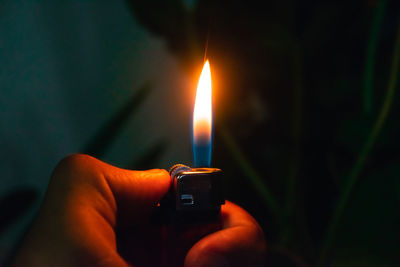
(306, 112)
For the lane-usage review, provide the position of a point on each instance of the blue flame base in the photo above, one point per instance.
(202, 154)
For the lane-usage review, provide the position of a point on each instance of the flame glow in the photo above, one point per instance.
(202, 119)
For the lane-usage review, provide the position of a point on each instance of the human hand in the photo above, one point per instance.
(95, 214)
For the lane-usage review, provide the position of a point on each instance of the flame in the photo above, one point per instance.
(202, 122)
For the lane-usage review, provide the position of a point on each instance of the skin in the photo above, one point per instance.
(95, 214)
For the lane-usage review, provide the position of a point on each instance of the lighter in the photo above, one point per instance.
(195, 196)
(196, 193)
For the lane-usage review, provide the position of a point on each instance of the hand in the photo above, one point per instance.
(95, 214)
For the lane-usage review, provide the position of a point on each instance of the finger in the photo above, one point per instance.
(240, 242)
(111, 189)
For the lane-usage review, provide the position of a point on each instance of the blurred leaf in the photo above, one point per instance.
(108, 132)
(153, 154)
(254, 177)
(370, 224)
(15, 204)
(371, 53)
(353, 131)
(364, 153)
(161, 17)
(167, 19)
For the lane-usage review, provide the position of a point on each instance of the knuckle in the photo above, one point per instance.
(73, 161)
(71, 166)
(259, 239)
(259, 233)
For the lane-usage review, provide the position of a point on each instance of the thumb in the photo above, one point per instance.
(130, 194)
(137, 192)
(137, 188)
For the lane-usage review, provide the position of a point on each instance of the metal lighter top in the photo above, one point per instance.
(196, 194)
